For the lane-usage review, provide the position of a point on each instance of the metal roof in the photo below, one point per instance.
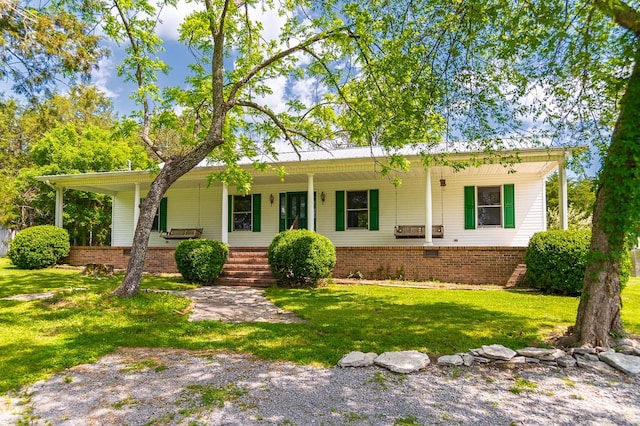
(336, 164)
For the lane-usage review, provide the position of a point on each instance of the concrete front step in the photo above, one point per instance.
(248, 252)
(241, 253)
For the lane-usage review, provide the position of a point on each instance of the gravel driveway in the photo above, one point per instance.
(178, 387)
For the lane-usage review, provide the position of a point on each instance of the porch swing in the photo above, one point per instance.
(416, 231)
(185, 233)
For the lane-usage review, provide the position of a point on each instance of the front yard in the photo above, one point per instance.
(82, 323)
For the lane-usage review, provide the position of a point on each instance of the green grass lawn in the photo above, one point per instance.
(39, 338)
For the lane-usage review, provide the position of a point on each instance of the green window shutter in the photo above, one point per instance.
(469, 207)
(282, 206)
(257, 210)
(509, 206)
(374, 210)
(339, 210)
(230, 214)
(163, 215)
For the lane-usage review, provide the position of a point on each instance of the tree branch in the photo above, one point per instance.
(335, 84)
(146, 114)
(280, 55)
(274, 118)
(623, 14)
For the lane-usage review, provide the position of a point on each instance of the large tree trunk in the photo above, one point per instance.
(599, 311)
(131, 283)
(175, 168)
(615, 218)
(170, 173)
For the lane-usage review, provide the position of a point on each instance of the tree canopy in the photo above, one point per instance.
(72, 133)
(44, 43)
(581, 197)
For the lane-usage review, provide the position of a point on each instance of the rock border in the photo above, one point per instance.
(624, 358)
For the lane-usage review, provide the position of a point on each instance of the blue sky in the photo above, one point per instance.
(106, 78)
(177, 56)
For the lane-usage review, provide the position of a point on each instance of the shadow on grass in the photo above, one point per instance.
(42, 337)
(15, 281)
(341, 321)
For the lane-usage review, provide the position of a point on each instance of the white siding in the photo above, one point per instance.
(409, 208)
(122, 219)
(182, 212)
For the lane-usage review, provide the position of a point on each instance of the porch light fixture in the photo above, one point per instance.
(322, 197)
(271, 199)
(443, 182)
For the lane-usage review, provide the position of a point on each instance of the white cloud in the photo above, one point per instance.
(103, 77)
(275, 100)
(308, 91)
(271, 21)
(172, 17)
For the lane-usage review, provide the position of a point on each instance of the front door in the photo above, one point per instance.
(293, 205)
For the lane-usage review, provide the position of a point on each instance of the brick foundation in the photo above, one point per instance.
(468, 265)
(159, 259)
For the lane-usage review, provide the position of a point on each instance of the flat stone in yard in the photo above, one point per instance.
(403, 362)
(558, 353)
(625, 342)
(467, 359)
(357, 359)
(591, 357)
(497, 352)
(599, 366)
(566, 361)
(542, 354)
(582, 351)
(450, 360)
(628, 364)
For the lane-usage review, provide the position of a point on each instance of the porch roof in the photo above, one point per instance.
(338, 164)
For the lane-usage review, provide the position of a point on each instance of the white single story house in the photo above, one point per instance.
(470, 225)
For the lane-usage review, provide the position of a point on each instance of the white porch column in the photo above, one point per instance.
(562, 197)
(311, 217)
(428, 209)
(59, 207)
(136, 206)
(225, 214)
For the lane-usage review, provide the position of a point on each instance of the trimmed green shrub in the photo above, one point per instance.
(200, 261)
(300, 258)
(556, 261)
(39, 247)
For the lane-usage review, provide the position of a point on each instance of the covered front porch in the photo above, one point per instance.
(344, 198)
